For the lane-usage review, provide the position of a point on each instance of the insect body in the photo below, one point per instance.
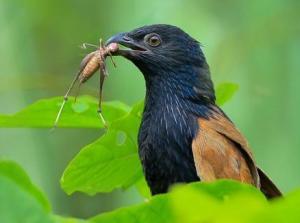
(95, 60)
(88, 66)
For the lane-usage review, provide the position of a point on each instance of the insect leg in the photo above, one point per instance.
(111, 58)
(65, 99)
(77, 92)
(102, 77)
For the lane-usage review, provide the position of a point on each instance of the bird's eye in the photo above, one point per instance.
(153, 40)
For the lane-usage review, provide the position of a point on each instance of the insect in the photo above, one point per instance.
(88, 66)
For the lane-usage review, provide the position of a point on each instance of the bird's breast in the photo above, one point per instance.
(165, 139)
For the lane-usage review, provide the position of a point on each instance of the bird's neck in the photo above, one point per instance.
(172, 106)
(187, 86)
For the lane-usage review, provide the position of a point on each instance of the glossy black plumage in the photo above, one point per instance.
(179, 94)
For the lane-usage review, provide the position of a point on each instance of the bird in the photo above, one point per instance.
(184, 136)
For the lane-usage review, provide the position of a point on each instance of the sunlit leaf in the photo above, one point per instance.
(197, 202)
(225, 91)
(60, 219)
(218, 200)
(156, 210)
(143, 188)
(281, 210)
(223, 201)
(82, 114)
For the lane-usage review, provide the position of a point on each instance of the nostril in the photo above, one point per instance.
(126, 39)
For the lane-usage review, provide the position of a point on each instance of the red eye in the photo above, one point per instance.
(153, 40)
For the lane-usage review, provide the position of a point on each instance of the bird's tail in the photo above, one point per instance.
(267, 186)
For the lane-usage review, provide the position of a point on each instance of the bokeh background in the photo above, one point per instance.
(255, 44)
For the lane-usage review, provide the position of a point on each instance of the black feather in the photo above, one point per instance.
(178, 90)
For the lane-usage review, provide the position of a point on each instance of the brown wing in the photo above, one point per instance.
(220, 151)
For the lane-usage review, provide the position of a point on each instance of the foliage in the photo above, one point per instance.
(253, 43)
(20, 200)
(111, 162)
(81, 114)
(225, 91)
(223, 201)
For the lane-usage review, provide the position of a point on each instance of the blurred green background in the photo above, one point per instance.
(255, 44)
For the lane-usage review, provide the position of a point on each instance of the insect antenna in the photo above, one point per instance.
(85, 45)
(112, 60)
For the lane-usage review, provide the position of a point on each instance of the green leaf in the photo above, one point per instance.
(219, 202)
(225, 91)
(60, 219)
(82, 114)
(223, 201)
(143, 188)
(20, 201)
(109, 163)
(196, 202)
(16, 174)
(156, 210)
(281, 210)
(222, 188)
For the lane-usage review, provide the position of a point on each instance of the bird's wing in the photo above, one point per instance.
(267, 186)
(220, 151)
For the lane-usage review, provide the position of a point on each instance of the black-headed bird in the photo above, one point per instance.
(184, 136)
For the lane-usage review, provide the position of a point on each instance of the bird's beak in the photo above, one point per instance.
(133, 48)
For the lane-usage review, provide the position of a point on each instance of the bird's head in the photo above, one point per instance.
(165, 51)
